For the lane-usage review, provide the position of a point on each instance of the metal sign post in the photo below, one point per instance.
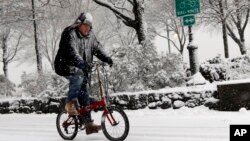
(187, 8)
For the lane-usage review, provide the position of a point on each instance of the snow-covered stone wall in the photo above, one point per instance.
(31, 105)
(165, 98)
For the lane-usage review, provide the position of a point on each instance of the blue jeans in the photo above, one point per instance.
(78, 89)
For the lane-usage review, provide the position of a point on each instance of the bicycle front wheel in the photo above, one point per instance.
(115, 124)
(67, 127)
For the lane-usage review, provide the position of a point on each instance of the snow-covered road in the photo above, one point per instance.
(198, 124)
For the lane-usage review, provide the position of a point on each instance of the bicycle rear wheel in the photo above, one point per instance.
(116, 128)
(67, 127)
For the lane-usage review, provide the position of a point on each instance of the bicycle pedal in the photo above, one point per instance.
(81, 128)
(66, 130)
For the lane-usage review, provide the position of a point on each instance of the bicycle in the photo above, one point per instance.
(113, 118)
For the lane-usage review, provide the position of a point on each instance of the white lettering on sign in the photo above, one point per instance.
(193, 10)
(189, 20)
(239, 132)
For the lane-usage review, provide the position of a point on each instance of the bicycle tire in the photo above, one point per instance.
(61, 117)
(120, 117)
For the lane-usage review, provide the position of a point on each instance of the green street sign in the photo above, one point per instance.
(186, 7)
(188, 20)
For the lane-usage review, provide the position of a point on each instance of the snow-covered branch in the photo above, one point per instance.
(127, 20)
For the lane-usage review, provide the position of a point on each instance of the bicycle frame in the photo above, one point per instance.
(98, 104)
(113, 129)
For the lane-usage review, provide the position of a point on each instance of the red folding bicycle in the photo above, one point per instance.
(114, 121)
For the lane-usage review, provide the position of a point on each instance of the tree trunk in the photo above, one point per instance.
(5, 70)
(5, 56)
(140, 34)
(240, 42)
(224, 30)
(38, 50)
(168, 36)
(140, 26)
(242, 46)
(225, 40)
(52, 65)
(240, 28)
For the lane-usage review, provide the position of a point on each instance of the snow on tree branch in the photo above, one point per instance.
(127, 20)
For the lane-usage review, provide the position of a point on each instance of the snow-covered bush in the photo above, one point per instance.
(6, 87)
(159, 80)
(170, 73)
(132, 65)
(218, 69)
(46, 85)
(140, 68)
(239, 68)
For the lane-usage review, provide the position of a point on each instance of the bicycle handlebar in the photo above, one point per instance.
(97, 63)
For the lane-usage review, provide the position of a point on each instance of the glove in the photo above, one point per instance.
(110, 62)
(84, 66)
(88, 68)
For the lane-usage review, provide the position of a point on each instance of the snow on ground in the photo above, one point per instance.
(185, 124)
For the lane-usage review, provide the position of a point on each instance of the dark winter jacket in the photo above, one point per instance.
(76, 52)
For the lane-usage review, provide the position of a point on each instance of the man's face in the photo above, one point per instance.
(84, 29)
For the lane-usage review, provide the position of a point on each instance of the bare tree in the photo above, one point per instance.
(117, 31)
(233, 16)
(224, 27)
(238, 23)
(23, 12)
(12, 15)
(131, 12)
(13, 11)
(37, 47)
(9, 51)
(4, 39)
(162, 16)
(215, 11)
(49, 42)
(50, 31)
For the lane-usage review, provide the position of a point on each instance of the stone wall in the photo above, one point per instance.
(33, 105)
(165, 100)
(131, 101)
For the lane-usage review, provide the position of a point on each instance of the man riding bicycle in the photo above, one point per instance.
(77, 46)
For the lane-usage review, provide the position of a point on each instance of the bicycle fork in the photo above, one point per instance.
(110, 117)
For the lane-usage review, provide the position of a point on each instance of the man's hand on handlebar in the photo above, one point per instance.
(90, 66)
(110, 62)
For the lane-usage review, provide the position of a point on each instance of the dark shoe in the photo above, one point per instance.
(92, 128)
(82, 122)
